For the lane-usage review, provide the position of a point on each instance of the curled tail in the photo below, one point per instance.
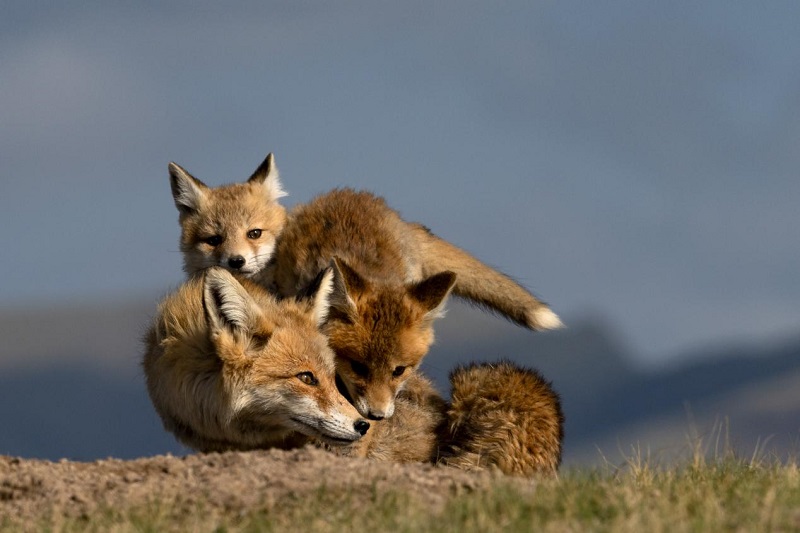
(481, 284)
(504, 416)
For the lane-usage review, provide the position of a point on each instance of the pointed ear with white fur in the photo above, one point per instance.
(346, 283)
(321, 302)
(227, 304)
(188, 192)
(329, 297)
(267, 176)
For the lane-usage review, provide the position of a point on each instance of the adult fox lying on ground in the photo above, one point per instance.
(230, 367)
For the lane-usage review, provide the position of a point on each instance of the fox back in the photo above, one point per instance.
(232, 226)
(383, 326)
(355, 226)
(229, 367)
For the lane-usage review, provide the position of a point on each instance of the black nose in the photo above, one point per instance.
(361, 426)
(372, 416)
(236, 262)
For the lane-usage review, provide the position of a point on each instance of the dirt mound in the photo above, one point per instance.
(229, 482)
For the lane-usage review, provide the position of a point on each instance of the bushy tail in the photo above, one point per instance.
(482, 285)
(504, 416)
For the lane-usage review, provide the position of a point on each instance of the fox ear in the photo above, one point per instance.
(227, 304)
(189, 192)
(431, 292)
(267, 176)
(329, 297)
(340, 303)
(321, 292)
(344, 281)
(352, 280)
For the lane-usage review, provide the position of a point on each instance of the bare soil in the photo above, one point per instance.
(232, 482)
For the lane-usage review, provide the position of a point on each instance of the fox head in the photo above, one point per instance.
(233, 226)
(380, 333)
(276, 366)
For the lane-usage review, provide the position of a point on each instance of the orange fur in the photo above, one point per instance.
(229, 367)
(482, 285)
(502, 416)
(383, 326)
(411, 435)
(217, 225)
(232, 226)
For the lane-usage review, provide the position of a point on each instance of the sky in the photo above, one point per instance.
(631, 160)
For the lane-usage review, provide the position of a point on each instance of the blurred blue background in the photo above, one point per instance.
(634, 163)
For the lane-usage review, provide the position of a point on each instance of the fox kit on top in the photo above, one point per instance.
(382, 327)
(228, 367)
(235, 227)
(232, 226)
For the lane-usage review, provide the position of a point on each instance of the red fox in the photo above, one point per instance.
(397, 276)
(232, 226)
(383, 326)
(228, 367)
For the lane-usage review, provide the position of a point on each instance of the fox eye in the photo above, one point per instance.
(398, 371)
(214, 240)
(308, 378)
(254, 234)
(359, 368)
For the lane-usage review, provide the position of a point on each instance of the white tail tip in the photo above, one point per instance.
(546, 319)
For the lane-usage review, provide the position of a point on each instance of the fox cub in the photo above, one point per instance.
(232, 226)
(383, 326)
(362, 230)
(235, 227)
(229, 367)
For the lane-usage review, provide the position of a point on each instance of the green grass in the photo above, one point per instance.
(729, 494)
